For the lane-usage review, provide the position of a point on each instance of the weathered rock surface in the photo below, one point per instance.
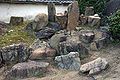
(62, 20)
(14, 20)
(15, 53)
(51, 12)
(70, 61)
(94, 21)
(94, 66)
(73, 16)
(43, 53)
(87, 36)
(40, 21)
(89, 11)
(72, 46)
(27, 69)
(45, 33)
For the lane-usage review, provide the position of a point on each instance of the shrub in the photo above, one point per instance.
(97, 4)
(114, 22)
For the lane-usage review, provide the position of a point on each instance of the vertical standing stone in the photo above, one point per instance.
(51, 12)
(73, 16)
(89, 11)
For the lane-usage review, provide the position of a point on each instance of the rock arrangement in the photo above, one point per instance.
(60, 41)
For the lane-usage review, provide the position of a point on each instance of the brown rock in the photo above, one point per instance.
(42, 53)
(73, 16)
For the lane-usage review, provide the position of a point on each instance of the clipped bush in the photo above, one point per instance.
(114, 22)
(98, 5)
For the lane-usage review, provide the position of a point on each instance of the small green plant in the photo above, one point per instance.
(114, 22)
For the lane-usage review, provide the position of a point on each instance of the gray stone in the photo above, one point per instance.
(72, 46)
(3, 28)
(70, 61)
(40, 21)
(94, 66)
(45, 33)
(73, 16)
(14, 20)
(62, 20)
(27, 69)
(56, 39)
(51, 12)
(94, 21)
(89, 11)
(15, 53)
(83, 20)
(87, 36)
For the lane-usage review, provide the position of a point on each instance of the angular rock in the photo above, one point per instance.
(83, 20)
(15, 53)
(14, 20)
(94, 66)
(45, 33)
(56, 39)
(87, 36)
(51, 12)
(62, 20)
(70, 61)
(38, 44)
(99, 44)
(27, 69)
(89, 11)
(40, 21)
(72, 46)
(43, 53)
(73, 16)
(94, 21)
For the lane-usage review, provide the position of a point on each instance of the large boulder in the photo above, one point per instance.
(43, 54)
(27, 69)
(70, 61)
(15, 53)
(73, 16)
(72, 46)
(40, 21)
(51, 12)
(94, 66)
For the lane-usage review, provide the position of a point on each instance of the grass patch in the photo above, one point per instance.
(16, 34)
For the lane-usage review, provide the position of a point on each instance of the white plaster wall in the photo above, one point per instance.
(28, 11)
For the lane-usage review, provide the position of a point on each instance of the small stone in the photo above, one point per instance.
(94, 66)
(14, 20)
(70, 61)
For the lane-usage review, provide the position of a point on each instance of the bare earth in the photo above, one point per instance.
(111, 53)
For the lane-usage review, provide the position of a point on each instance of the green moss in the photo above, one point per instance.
(16, 34)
